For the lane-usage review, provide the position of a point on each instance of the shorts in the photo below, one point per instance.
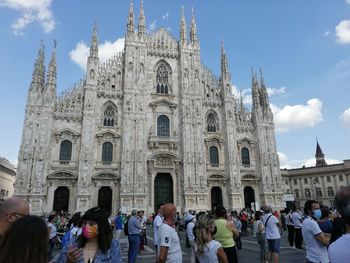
(273, 245)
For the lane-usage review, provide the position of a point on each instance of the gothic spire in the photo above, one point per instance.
(142, 21)
(183, 30)
(224, 63)
(265, 96)
(255, 91)
(51, 73)
(193, 32)
(38, 76)
(94, 43)
(320, 160)
(131, 18)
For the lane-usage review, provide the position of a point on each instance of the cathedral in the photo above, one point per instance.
(150, 125)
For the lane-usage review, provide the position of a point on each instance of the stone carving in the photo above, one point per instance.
(164, 161)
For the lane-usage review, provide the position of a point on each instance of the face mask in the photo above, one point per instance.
(89, 232)
(317, 213)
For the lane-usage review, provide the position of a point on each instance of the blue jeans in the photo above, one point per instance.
(134, 245)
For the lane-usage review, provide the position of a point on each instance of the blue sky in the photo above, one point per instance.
(302, 46)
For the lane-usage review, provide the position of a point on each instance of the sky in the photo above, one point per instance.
(303, 48)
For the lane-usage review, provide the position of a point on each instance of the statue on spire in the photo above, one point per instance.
(183, 30)
(131, 24)
(94, 42)
(142, 21)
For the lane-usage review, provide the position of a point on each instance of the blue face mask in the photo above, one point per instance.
(317, 213)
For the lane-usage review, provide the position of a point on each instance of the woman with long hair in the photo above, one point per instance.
(26, 241)
(96, 242)
(208, 249)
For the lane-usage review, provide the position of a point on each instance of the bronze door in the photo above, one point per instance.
(61, 199)
(105, 198)
(163, 189)
(216, 197)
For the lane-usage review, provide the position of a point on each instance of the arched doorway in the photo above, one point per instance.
(249, 197)
(105, 198)
(163, 189)
(216, 197)
(61, 199)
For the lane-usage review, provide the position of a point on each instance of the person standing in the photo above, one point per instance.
(190, 236)
(225, 234)
(272, 226)
(168, 240)
(157, 221)
(118, 222)
(52, 233)
(290, 227)
(259, 231)
(208, 250)
(315, 240)
(25, 241)
(134, 237)
(12, 209)
(339, 251)
(297, 223)
(238, 225)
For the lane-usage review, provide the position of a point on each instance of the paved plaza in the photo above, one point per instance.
(248, 254)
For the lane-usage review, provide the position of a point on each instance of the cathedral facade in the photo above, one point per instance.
(150, 125)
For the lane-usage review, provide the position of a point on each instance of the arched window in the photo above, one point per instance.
(214, 155)
(66, 151)
(307, 193)
(296, 192)
(212, 124)
(107, 152)
(318, 192)
(162, 79)
(163, 126)
(109, 116)
(245, 156)
(330, 191)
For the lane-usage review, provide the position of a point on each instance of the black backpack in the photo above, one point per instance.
(126, 228)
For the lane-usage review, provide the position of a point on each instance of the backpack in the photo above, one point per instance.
(126, 228)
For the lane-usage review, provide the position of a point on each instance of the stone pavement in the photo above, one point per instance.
(248, 254)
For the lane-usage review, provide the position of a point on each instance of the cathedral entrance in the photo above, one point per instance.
(105, 198)
(61, 199)
(163, 189)
(249, 197)
(216, 197)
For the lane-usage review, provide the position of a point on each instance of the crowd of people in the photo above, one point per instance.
(213, 236)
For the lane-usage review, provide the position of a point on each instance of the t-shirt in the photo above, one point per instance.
(53, 231)
(168, 237)
(339, 251)
(271, 229)
(210, 252)
(189, 230)
(156, 224)
(288, 219)
(256, 228)
(315, 251)
(296, 220)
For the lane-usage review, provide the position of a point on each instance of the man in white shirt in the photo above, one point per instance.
(339, 251)
(272, 230)
(157, 221)
(169, 245)
(315, 240)
(297, 223)
(290, 227)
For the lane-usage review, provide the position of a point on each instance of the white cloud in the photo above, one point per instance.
(312, 162)
(106, 50)
(165, 16)
(342, 31)
(152, 26)
(297, 116)
(31, 11)
(347, 1)
(346, 116)
(282, 157)
(274, 91)
(327, 32)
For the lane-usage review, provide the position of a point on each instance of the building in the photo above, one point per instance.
(7, 179)
(151, 125)
(319, 182)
